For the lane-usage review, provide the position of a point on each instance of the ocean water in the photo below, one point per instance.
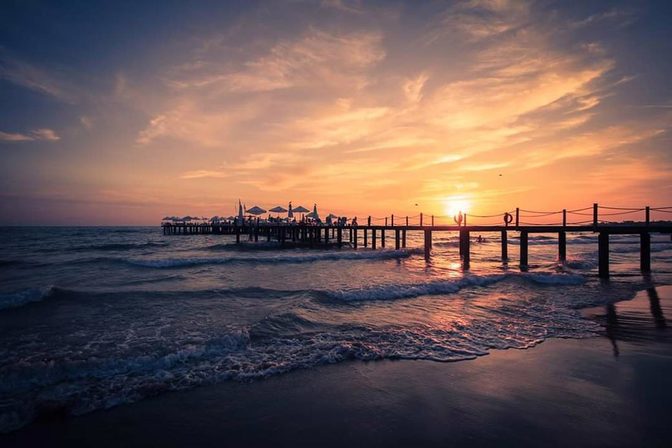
(91, 318)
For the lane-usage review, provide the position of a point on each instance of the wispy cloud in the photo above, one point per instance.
(33, 77)
(36, 134)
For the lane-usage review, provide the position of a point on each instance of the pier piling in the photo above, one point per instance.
(603, 254)
(465, 249)
(523, 250)
(645, 252)
(428, 244)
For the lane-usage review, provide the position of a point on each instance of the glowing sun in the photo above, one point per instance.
(453, 206)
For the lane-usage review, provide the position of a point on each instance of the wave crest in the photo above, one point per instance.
(405, 291)
(24, 296)
(164, 263)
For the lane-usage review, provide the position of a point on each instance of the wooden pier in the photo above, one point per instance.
(374, 236)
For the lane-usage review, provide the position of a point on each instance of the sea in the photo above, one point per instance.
(97, 317)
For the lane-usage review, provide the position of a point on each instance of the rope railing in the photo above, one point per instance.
(526, 223)
(540, 212)
(518, 217)
(579, 210)
(541, 215)
(622, 213)
(622, 208)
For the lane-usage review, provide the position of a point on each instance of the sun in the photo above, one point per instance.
(454, 205)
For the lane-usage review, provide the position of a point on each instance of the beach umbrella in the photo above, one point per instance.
(241, 217)
(300, 209)
(278, 209)
(256, 210)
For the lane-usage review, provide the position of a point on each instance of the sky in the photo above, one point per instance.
(123, 112)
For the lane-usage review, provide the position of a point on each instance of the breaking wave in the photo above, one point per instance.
(163, 263)
(404, 291)
(24, 297)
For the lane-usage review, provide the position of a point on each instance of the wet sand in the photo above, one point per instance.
(611, 390)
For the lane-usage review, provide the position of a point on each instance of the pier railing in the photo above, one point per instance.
(373, 230)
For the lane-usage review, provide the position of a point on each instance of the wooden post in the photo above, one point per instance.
(396, 239)
(237, 235)
(386, 221)
(603, 254)
(562, 245)
(645, 252)
(523, 250)
(354, 237)
(392, 220)
(268, 234)
(366, 237)
(326, 235)
(432, 220)
(368, 222)
(382, 237)
(595, 209)
(564, 217)
(403, 238)
(505, 245)
(420, 219)
(465, 220)
(339, 237)
(428, 244)
(517, 216)
(373, 239)
(465, 240)
(648, 215)
(407, 221)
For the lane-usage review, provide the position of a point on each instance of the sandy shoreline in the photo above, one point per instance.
(559, 393)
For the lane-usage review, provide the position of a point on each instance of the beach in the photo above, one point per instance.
(562, 392)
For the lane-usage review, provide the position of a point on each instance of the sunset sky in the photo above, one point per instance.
(115, 113)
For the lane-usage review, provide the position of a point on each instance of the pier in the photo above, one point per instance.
(375, 235)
